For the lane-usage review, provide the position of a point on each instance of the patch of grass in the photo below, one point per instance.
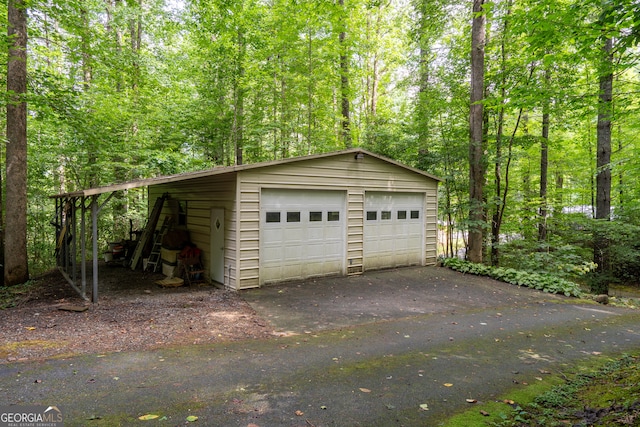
(492, 412)
(606, 394)
(11, 348)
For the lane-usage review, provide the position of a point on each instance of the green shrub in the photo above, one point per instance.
(544, 282)
(555, 257)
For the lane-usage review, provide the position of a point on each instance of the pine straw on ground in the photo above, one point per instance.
(133, 313)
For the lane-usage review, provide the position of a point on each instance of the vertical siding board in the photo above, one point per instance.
(355, 231)
(248, 235)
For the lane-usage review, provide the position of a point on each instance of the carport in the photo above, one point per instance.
(75, 212)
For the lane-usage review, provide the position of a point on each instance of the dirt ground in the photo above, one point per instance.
(133, 313)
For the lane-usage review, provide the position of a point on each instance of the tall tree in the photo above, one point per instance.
(603, 172)
(544, 162)
(344, 81)
(476, 158)
(16, 269)
(603, 160)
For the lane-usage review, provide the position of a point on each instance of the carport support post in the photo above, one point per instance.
(95, 210)
(83, 246)
(94, 236)
(74, 240)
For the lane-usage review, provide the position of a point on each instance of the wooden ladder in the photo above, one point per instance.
(154, 256)
(148, 231)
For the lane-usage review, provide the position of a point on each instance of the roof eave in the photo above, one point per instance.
(227, 169)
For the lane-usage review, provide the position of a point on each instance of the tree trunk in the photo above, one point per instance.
(544, 165)
(476, 167)
(495, 220)
(16, 268)
(344, 86)
(238, 118)
(603, 170)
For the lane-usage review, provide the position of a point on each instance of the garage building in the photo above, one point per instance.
(338, 213)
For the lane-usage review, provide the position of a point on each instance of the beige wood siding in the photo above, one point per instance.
(355, 231)
(248, 250)
(431, 226)
(340, 172)
(201, 195)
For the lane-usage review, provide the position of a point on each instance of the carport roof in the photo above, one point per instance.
(226, 169)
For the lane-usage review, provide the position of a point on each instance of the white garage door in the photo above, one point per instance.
(393, 229)
(303, 234)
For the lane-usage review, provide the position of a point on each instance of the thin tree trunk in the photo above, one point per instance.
(544, 164)
(476, 167)
(344, 85)
(495, 221)
(16, 268)
(310, 90)
(238, 119)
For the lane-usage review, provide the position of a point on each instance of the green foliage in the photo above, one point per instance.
(543, 282)
(555, 257)
(210, 77)
(623, 249)
(611, 391)
(11, 296)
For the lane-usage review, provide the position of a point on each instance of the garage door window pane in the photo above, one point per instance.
(385, 215)
(333, 216)
(273, 216)
(415, 214)
(315, 216)
(402, 214)
(293, 216)
(372, 215)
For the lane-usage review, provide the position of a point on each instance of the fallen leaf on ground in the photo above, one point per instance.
(447, 385)
(192, 418)
(424, 407)
(365, 390)
(299, 413)
(472, 400)
(148, 417)
(485, 413)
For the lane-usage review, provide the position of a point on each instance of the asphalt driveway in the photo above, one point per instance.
(336, 302)
(402, 347)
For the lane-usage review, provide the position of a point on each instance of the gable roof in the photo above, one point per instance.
(228, 169)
